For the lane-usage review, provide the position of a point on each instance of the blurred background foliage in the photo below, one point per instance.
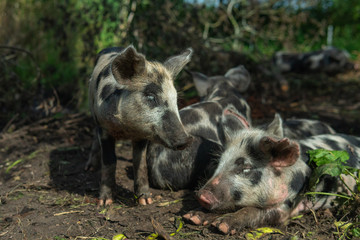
(47, 48)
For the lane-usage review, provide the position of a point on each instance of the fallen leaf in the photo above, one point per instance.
(260, 232)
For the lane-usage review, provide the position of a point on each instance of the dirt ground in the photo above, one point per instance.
(46, 194)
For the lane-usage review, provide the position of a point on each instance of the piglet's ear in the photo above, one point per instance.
(240, 77)
(176, 63)
(128, 64)
(232, 122)
(202, 83)
(275, 127)
(283, 152)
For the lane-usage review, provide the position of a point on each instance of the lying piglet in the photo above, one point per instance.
(261, 178)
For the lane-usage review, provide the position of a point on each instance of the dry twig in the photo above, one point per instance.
(160, 230)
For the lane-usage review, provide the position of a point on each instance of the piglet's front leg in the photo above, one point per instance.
(199, 217)
(247, 217)
(108, 167)
(141, 181)
(232, 222)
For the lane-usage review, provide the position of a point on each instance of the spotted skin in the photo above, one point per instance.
(205, 122)
(221, 112)
(329, 60)
(133, 98)
(276, 194)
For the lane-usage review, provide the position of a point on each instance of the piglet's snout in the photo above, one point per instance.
(207, 199)
(172, 134)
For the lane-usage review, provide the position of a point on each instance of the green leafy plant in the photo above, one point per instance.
(333, 163)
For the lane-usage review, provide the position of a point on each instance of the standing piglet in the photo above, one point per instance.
(261, 178)
(133, 98)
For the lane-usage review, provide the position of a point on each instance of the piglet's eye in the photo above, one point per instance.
(247, 168)
(150, 97)
(244, 169)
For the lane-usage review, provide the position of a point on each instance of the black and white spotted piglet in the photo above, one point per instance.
(133, 98)
(205, 121)
(329, 60)
(296, 128)
(261, 176)
(222, 95)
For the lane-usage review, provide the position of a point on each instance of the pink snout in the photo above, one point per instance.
(207, 199)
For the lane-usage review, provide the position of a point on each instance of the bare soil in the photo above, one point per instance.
(46, 194)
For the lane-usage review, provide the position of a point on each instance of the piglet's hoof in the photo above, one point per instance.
(145, 198)
(223, 227)
(226, 224)
(106, 202)
(145, 201)
(195, 219)
(199, 217)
